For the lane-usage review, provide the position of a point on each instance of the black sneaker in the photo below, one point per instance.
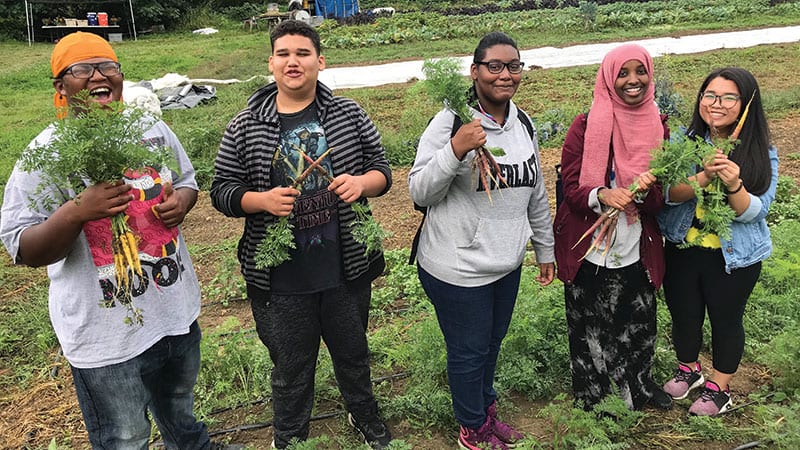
(658, 398)
(373, 430)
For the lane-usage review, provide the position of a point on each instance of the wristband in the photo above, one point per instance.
(741, 185)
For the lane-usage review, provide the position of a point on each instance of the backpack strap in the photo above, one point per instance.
(525, 122)
(424, 209)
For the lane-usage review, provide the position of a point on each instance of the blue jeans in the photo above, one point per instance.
(114, 399)
(474, 321)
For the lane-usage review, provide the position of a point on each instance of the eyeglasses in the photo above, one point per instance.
(725, 100)
(86, 70)
(498, 66)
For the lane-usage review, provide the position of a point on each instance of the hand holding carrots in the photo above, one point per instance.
(617, 198)
(349, 188)
(644, 182)
(728, 171)
(470, 136)
(102, 200)
(279, 201)
(173, 207)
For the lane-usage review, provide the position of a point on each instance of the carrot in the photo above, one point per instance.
(738, 129)
(495, 166)
(310, 168)
(601, 234)
(610, 234)
(127, 252)
(319, 168)
(600, 220)
(484, 181)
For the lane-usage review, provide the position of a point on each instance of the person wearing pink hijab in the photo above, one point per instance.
(610, 292)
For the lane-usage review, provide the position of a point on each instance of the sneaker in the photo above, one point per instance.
(684, 381)
(503, 431)
(481, 438)
(713, 400)
(374, 431)
(658, 398)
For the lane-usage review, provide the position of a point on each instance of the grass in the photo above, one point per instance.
(404, 335)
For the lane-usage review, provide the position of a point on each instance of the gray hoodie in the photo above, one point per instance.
(467, 240)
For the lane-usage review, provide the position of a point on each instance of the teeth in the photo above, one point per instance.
(100, 91)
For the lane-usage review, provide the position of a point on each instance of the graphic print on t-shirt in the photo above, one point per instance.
(315, 214)
(157, 244)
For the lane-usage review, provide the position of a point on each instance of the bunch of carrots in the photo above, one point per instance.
(97, 145)
(279, 238)
(274, 249)
(126, 260)
(671, 164)
(445, 84)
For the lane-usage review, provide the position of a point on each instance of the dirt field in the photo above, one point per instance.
(29, 419)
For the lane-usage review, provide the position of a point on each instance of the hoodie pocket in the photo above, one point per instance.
(498, 246)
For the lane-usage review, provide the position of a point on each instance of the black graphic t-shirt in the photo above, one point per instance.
(316, 264)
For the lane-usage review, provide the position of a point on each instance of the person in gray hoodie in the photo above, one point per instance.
(471, 249)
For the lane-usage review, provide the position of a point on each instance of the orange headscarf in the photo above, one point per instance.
(72, 48)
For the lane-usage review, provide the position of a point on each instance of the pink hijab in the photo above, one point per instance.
(632, 130)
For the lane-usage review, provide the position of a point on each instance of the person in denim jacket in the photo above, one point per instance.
(716, 274)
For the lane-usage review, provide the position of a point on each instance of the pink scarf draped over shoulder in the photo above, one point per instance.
(631, 130)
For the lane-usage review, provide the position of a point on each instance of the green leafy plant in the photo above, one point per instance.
(445, 84)
(787, 202)
(366, 230)
(274, 248)
(99, 144)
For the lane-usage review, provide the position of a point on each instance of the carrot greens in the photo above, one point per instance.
(274, 249)
(445, 84)
(98, 144)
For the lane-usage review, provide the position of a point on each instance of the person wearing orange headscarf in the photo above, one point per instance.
(120, 371)
(84, 61)
(610, 292)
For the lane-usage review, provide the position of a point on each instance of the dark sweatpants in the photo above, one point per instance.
(611, 317)
(291, 326)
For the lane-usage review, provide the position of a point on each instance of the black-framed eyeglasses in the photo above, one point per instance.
(725, 100)
(498, 66)
(86, 70)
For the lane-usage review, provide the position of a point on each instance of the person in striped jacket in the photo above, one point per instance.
(324, 289)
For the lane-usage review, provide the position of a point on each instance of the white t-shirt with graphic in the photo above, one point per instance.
(88, 321)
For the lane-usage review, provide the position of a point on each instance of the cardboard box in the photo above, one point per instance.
(114, 37)
(71, 22)
(83, 23)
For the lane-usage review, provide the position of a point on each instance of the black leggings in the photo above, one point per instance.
(696, 282)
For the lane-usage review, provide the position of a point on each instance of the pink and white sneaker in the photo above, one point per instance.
(713, 400)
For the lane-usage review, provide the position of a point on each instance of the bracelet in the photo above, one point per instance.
(741, 185)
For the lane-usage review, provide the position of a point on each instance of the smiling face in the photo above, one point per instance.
(715, 115)
(102, 89)
(631, 82)
(496, 88)
(295, 64)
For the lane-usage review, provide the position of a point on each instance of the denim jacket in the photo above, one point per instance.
(750, 239)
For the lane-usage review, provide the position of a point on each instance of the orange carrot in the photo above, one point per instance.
(738, 129)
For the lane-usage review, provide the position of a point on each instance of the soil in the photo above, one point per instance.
(31, 418)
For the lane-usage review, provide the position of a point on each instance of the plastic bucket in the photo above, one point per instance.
(91, 19)
(102, 19)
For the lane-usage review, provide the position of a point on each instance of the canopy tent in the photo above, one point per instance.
(29, 19)
(336, 8)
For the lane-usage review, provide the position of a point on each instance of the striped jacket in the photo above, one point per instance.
(245, 158)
